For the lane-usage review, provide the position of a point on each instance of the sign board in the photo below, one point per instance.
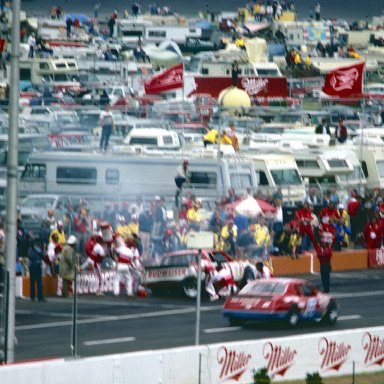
(200, 240)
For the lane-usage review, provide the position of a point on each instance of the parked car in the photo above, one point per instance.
(177, 272)
(288, 300)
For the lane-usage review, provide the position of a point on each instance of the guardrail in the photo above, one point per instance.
(286, 358)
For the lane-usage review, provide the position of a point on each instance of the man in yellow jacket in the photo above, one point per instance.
(59, 231)
(211, 137)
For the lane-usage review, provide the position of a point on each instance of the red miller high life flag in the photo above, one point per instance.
(171, 78)
(345, 82)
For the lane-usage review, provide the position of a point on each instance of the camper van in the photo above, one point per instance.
(58, 73)
(324, 168)
(278, 172)
(127, 175)
(372, 162)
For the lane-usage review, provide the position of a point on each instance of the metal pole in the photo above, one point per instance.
(12, 175)
(218, 159)
(198, 298)
(74, 311)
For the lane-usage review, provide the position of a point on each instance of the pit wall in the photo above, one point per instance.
(282, 266)
(286, 358)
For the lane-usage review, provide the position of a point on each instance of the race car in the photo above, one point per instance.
(287, 300)
(178, 270)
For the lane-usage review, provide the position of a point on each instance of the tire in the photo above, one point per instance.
(234, 322)
(292, 317)
(189, 287)
(332, 314)
(248, 276)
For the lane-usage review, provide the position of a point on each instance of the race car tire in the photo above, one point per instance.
(292, 317)
(189, 287)
(332, 314)
(235, 322)
(248, 276)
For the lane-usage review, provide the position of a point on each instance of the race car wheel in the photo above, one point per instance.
(248, 276)
(190, 287)
(234, 322)
(332, 314)
(293, 317)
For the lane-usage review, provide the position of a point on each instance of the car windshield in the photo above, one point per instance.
(264, 288)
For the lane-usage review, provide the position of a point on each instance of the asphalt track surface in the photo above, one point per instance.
(109, 325)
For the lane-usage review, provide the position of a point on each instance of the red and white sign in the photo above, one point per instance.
(345, 82)
(373, 345)
(279, 358)
(334, 354)
(257, 87)
(171, 78)
(233, 363)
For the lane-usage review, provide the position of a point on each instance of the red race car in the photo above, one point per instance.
(288, 300)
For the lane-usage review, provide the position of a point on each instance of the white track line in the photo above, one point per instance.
(223, 329)
(109, 341)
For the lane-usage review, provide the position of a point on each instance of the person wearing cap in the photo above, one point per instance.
(35, 256)
(68, 263)
(59, 232)
(304, 219)
(122, 229)
(47, 226)
(341, 231)
(95, 256)
(133, 225)
(225, 139)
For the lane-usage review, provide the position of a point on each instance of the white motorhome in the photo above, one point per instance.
(130, 32)
(127, 175)
(278, 172)
(372, 163)
(60, 73)
(326, 167)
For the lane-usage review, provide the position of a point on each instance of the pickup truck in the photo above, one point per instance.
(195, 45)
(177, 272)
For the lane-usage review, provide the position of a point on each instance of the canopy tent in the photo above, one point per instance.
(251, 207)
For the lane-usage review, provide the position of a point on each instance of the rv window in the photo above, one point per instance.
(267, 72)
(112, 176)
(143, 141)
(132, 33)
(380, 168)
(263, 178)
(68, 175)
(61, 66)
(167, 140)
(365, 168)
(34, 171)
(204, 179)
(286, 177)
(241, 180)
(43, 66)
(25, 74)
(337, 163)
(156, 34)
(307, 164)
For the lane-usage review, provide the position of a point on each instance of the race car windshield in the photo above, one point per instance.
(263, 288)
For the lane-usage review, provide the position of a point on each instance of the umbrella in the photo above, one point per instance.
(251, 207)
(266, 207)
(248, 207)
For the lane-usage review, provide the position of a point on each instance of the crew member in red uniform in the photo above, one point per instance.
(304, 217)
(95, 256)
(324, 254)
(328, 213)
(124, 259)
(224, 283)
(372, 237)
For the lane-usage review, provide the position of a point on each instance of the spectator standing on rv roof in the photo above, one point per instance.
(323, 128)
(107, 126)
(341, 132)
(317, 11)
(32, 45)
(68, 23)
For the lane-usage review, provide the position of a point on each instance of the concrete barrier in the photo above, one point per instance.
(286, 358)
(308, 263)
